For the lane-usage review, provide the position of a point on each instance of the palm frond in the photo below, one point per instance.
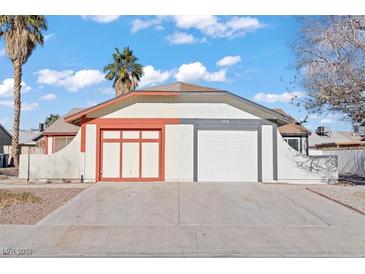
(124, 71)
(22, 34)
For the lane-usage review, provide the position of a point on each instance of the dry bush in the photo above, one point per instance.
(8, 198)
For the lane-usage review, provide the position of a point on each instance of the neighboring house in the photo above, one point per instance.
(58, 135)
(295, 134)
(26, 143)
(361, 129)
(325, 139)
(5, 139)
(179, 132)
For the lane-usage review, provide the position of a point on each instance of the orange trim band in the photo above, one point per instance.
(59, 134)
(83, 134)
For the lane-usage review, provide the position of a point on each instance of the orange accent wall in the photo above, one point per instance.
(83, 134)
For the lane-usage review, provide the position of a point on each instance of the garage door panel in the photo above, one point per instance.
(130, 163)
(150, 160)
(227, 155)
(111, 160)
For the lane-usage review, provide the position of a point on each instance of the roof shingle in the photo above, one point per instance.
(60, 125)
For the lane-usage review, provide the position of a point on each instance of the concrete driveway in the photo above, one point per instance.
(194, 219)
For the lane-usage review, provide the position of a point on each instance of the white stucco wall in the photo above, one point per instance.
(179, 152)
(49, 145)
(180, 110)
(315, 152)
(267, 153)
(68, 163)
(294, 167)
(90, 152)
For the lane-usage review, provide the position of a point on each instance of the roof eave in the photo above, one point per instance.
(261, 107)
(76, 117)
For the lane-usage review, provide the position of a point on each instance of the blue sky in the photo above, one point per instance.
(247, 55)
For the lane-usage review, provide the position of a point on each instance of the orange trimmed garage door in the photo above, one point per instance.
(131, 155)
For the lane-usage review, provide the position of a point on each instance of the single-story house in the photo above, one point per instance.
(5, 139)
(361, 129)
(58, 135)
(325, 139)
(26, 143)
(294, 133)
(179, 132)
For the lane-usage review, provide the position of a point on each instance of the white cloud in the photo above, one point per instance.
(229, 61)
(159, 27)
(313, 116)
(326, 121)
(25, 106)
(29, 106)
(48, 36)
(106, 90)
(140, 24)
(4, 121)
(209, 25)
(70, 80)
(7, 103)
(7, 87)
(51, 77)
(153, 76)
(2, 52)
(197, 71)
(285, 97)
(48, 97)
(179, 38)
(218, 27)
(101, 18)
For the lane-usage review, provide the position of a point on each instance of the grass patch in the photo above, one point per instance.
(8, 198)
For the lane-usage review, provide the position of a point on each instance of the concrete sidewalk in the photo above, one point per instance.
(194, 219)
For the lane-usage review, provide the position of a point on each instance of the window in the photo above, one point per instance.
(294, 143)
(60, 142)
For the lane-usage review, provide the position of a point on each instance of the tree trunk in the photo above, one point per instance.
(118, 88)
(17, 106)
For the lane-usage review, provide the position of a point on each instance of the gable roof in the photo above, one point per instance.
(77, 116)
(26, 137)
(181, 87)
(5, 131)
(60, 126)
(293, 129)
(281, 111)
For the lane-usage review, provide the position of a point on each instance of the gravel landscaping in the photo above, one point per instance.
(29, 205)
(352, 196)
(9, 171)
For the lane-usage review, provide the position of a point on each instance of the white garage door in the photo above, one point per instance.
(227, 156)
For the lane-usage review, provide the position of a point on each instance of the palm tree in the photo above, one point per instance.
(51, 119)
(21, 35)
(125, 71)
